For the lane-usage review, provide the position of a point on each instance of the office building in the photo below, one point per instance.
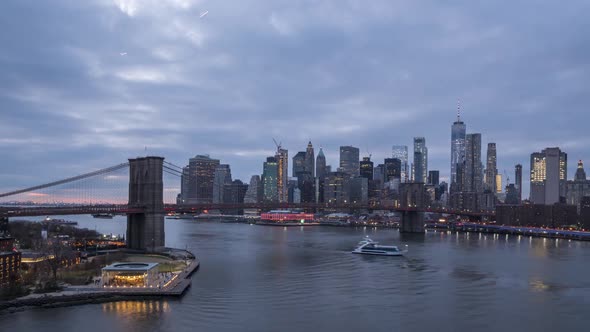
(310, 160)
(298, 163)
(518, 181)
(578, 188)
(420, 171)
(337, 188)
(491, 169)
(235, 192)
(282, 157)
(433, 177)
(201, 174)
(254, 192)
(473, 181)
(458, 134)
(320, 165)
(366, 168)
(392, 169)
(269, 180)
(548, 176)
(349, 160)
(401, 152)
(359, 190)
(221, 177)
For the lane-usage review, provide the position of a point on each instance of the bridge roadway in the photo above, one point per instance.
(29, 211)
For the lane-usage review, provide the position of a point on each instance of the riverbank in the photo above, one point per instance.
(73, 296)
(513, 230)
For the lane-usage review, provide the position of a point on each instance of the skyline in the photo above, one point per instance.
(227, 83)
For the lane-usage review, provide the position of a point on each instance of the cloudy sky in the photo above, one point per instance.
(87, 84)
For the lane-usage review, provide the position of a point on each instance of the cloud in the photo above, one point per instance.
(371, 74)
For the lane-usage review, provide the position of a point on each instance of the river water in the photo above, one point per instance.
(261, 278)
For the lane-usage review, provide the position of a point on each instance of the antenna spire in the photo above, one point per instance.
(458, 110)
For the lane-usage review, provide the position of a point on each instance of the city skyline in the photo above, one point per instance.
(199, 87)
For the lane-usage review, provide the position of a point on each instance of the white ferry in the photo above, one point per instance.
(370, 247)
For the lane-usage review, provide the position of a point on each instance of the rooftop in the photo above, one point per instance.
(130, 266)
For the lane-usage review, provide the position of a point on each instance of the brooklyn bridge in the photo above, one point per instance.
(103, 191)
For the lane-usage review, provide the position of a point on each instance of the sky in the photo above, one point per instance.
(88, 84)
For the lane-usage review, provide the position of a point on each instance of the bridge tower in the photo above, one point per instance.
(413, 197)
(145, 231)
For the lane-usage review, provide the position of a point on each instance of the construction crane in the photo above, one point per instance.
(277, 144)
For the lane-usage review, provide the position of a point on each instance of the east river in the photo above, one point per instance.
(261, 278)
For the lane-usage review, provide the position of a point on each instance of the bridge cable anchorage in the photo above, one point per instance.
(68, 180)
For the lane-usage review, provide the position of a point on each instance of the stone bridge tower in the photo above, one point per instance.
(145, 231)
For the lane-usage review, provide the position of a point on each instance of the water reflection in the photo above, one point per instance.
(136, 308)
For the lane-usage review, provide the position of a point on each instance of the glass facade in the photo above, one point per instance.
(401, 152)
(420, 160)
(458, 132)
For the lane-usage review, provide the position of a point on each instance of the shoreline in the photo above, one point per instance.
(67, 298)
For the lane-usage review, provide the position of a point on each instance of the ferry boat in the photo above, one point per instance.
(370, 247)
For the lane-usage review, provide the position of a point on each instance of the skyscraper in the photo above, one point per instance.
(309, 159)
(253, 194)
(201, 172)
(349, 160)
(298, 163)
(269, 180)
(401, 152)
(420, 160)
(366, 168)
(518, 181)
(458, 130)
(433, 178)
(392, 169)
(221, 177)
(548, 176)
(491, 169)
(473, 167)
(578, 188)
(320, 165)
(282, 157)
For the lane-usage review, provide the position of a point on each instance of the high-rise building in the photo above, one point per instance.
(269, 180)
(379, 173)
(433, 178)
(201, 173)
(392, 169)
(359, 190)
(349, 160)
(298, 163)
(458, 130)
(235, 192)
(320, 165)
(184, 185)
(221, 177)
(548, 176)
(473, 167)
(401, 152)
(420, 160)
(498, 183)
(337, 188)
(310, 159)
(518, 181)
(282, 157)
(578, 188)
(366, 168)
(491, 169)
(254, 193)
